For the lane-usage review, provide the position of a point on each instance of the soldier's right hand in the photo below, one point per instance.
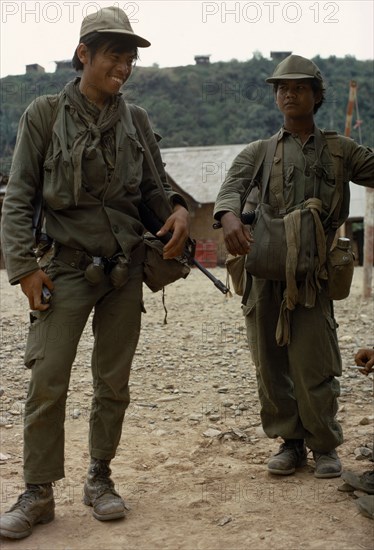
(32, 286)
(237, 235)
(365, 358)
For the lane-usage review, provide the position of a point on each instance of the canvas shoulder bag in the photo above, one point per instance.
(235, 265)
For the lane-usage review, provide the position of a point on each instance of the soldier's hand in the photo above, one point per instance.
(237, 236)
(32, 286)
(365, 358)
(179, 224)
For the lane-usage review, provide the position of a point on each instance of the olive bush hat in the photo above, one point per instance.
(294, 67)
(113, 20)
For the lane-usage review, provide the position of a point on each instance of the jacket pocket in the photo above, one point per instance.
(134, 164)
(327, 186)
(249, 312)
(332, 359)
(58, 181)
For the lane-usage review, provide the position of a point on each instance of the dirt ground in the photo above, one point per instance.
(192, 460)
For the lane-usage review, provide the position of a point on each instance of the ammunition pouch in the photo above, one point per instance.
(97, 267)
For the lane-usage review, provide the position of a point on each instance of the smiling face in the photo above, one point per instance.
(296, 98)
(104, 72)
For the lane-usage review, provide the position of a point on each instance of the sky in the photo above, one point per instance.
(47, 31)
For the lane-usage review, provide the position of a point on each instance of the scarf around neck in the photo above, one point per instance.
(92, 124)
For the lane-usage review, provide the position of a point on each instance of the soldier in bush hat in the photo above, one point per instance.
(295, 67)
(290, 320)
(82, 147)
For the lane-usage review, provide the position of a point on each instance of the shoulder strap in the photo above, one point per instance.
(38, 215)
(268, 162)
(147, 152)
(53, 103)
(336, 151)
(264, 158)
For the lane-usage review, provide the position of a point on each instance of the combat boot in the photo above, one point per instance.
(363, 482)
(35, 505)
(100, 494)
(365, 506)
(327, 464)
(291, 455)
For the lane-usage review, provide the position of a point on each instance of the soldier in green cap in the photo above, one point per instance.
(81, 150)
(291, 329)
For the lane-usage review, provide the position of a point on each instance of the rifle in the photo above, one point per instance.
(42, 242)
(153, 224)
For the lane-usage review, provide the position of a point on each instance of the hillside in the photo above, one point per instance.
(219, 103)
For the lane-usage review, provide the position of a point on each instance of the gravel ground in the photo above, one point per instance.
(192, 459)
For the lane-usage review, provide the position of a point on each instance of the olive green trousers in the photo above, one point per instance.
(297, 383)
(51, 349)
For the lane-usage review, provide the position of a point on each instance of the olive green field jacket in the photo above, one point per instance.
(104, 218)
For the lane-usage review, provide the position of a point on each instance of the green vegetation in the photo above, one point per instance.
(219, 103)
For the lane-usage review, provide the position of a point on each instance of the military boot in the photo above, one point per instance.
(35, 505)
(365, 506)
(327, 464)
(363, 482)
(291, 455)
(100, 494)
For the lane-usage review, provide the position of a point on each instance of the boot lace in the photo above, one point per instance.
(296, 448)
(101, 478)
(32, 493)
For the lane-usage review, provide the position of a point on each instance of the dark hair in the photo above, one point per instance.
(117, 43)
(317, 86)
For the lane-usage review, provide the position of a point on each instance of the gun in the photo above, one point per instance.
(42, 242)
(152, 223)
(246, 217)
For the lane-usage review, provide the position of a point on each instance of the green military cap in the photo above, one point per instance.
(112, 20)
(295, 67)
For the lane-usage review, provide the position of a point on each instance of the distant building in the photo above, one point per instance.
(34, 68)
(278, 56)
(202, 59)
(64, 65)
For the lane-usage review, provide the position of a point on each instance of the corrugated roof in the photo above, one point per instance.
(200, 171)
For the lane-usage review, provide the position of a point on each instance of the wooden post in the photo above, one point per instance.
(347, 129)
(369, 208)
(368, 243)
(350, 107)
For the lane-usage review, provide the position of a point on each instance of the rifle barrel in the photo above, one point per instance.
(219, 284)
